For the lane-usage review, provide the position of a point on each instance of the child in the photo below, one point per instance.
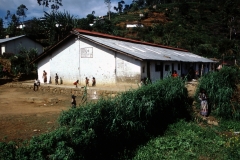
(93, 81)
(56, 79)
(74, 103)
(36, 84)
(204, 103)
(76, 83)
(87, 82)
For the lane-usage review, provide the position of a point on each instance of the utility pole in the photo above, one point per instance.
(108, 2)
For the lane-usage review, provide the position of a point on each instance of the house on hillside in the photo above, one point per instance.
(111, 59)
(13, 44)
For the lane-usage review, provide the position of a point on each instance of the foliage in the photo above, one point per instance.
(118, 124)
(55, 6)
(21, 11)
(58, 25)
(1, 28)
(220, 88)
(103, 26)
(21, 62)
(12, 25)
(186, 140)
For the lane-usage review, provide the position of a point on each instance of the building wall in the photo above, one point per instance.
(128, 70)
(44, 65)
(14, 46)
(167, 69)
(98, 62)
(154, 74)
(76, 60)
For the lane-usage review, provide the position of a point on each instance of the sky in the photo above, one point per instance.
(78, 8)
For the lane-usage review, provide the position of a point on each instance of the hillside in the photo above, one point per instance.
(207, 29)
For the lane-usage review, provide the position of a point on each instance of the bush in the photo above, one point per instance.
(220, 88)
(184, 140)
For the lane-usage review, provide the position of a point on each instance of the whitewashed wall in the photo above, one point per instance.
(128, 70)
(69, 62)
(44, 65)
(101, 65)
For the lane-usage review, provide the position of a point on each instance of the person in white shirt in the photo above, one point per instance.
(36, 84)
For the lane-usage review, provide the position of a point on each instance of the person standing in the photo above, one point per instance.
(87, 81)
(74, 103)
(44, 76)
(204, 103)
(93, 82)
(56, 79)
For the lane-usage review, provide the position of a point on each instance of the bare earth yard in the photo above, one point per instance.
(21, 118)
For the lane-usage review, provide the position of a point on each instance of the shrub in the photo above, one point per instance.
(183, 140)
(220, 88)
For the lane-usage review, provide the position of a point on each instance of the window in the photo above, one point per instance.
(157, 67)
(143, 69)
(179, 66)
(166, 67)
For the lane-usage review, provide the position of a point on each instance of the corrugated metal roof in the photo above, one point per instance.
(10, 39)
(98, 34)
(147, 52)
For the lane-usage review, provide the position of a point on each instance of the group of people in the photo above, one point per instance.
(86, 82)
(73, 102)
(45, 78)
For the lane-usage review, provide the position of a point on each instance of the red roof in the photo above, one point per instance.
(81, 31)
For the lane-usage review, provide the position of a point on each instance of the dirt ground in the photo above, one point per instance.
(21, 118)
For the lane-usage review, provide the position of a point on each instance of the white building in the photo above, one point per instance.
(14, 44)
(112, 59)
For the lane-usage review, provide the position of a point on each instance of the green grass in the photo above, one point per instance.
(187, 140)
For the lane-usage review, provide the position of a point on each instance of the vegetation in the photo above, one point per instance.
(152, 122)
(186, 140)
(118, 124)
(207, 28)
(18, 63)
(223, 96)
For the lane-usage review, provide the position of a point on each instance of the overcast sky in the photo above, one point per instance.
(78, 8)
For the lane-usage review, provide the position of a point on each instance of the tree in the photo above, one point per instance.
(21, 11)
(120, 6)
(108, 2)
(55, 6)
(20, 63)
(57, 25)
(1, 28)
(12, 26)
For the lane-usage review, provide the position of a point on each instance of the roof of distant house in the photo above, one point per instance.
(10, 39)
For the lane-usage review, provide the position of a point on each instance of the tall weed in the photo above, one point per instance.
(220, 88)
